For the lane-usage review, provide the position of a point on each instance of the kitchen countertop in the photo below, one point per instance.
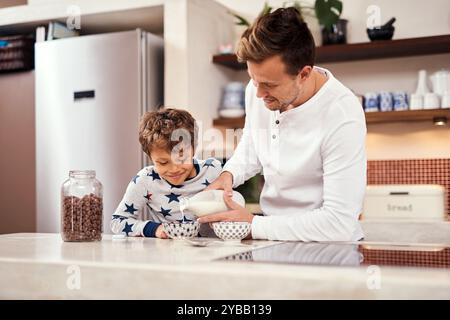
(42, 266)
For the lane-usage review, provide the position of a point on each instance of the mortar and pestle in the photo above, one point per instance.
(385, 32)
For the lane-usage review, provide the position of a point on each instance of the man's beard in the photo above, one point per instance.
(282, 106)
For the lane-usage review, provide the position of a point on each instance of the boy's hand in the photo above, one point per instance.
(160, 233)
(223, 182)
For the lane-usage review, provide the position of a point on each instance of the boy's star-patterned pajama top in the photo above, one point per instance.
(150, 200)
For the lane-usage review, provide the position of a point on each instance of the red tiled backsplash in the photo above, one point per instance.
(410, 258)
(415, 171)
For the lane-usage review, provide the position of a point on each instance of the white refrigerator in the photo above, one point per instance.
(90, 93)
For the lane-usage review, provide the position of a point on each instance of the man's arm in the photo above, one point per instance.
(344, 183)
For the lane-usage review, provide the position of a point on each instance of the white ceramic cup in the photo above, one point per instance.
(445, 103)
(431, 101)
(416, 102)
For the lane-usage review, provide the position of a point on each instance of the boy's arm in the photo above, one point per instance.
(133, 227)
(125, 219)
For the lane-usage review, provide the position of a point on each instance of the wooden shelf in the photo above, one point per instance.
(364, 51)
(233, 123)
(406, 116)
(229, 60)
(371, 117)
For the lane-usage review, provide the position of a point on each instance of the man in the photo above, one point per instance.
(304, 131)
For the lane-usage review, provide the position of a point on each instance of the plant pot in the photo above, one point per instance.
(337, 34)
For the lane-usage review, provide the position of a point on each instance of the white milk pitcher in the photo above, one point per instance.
(208, 202)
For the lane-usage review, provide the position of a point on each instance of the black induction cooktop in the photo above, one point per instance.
(343, 254)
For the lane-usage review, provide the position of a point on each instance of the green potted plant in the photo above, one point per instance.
(334, 29)
(303, 10)
(327, 12)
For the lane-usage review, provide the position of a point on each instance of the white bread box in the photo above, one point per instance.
(404, 202)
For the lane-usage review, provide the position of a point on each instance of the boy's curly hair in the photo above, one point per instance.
(166, 128)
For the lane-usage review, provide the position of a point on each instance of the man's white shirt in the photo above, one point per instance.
(314, 164)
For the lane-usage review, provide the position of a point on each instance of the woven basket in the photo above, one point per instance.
(16, 53)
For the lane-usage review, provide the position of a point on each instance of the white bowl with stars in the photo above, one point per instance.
(231, 230)
(181, 230)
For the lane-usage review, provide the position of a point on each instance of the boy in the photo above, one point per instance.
(168, 137)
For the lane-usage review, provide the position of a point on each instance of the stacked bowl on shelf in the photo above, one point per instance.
(232, 105)
(423, 98)
(386, 101)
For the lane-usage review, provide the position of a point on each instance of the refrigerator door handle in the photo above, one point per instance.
(144, 82)
(78, 95)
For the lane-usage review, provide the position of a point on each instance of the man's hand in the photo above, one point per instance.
(160, 233)
(236, 213)
(223, 182)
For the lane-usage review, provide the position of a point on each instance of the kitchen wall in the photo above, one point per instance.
(415, 18)
(10, 3)
(17, 153)
(193, 32)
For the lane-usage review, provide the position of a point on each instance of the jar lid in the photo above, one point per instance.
(82, 174)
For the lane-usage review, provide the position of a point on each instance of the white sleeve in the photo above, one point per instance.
(344, 184)
(244, 163)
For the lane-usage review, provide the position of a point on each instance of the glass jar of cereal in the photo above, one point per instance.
(81, 207)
